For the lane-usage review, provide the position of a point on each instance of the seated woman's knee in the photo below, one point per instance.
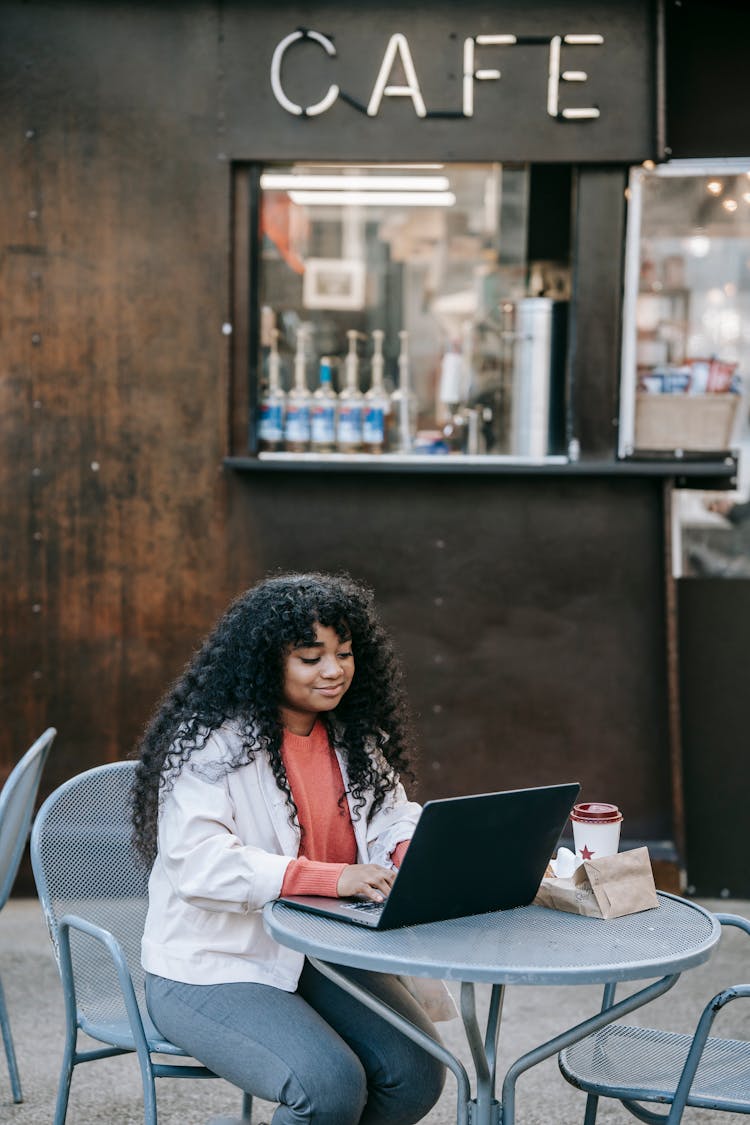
(334, 1095)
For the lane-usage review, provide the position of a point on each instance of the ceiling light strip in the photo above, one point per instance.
(279, 181)
(374, 198)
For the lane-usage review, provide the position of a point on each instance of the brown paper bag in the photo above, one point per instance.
(603, 888)
(433, 995)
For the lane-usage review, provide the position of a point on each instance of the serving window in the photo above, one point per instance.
(686, 346)
(406, 311)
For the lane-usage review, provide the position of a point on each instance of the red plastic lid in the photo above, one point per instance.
(595, 812)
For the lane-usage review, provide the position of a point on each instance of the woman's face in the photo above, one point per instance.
(316, 677)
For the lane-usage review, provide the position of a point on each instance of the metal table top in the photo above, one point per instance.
(529, 945)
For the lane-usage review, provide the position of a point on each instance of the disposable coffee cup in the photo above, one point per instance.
(596, 829)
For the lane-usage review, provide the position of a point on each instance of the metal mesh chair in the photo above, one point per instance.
(94, 896)
(16, 810)
(643, 1064)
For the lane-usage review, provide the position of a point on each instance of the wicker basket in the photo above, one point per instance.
(687, 422)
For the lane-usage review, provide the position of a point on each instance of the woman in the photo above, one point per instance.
(272, 767)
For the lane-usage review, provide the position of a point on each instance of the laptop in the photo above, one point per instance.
(468, 855)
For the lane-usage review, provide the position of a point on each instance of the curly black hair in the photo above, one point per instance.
(237, 674)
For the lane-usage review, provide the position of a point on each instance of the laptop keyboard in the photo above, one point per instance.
(367, 906)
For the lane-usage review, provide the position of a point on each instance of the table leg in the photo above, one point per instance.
(573, 1035)
(485, 1109)
(432, 1046)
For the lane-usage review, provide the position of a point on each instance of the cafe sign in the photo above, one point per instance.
(511, 80)
(398, 54)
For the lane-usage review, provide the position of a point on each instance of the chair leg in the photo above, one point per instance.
(247, 1108)
(10, 1054)
(149, 1085)
(592, 1105)
(66, 1074)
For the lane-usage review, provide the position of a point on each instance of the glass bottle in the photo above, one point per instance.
(403, 401)
(351, 401)
(450, 384)
(323, 412)
(455, 379)
(297, 423)
(450, 417)
(377, 403)
(272, 402)
(468, 387)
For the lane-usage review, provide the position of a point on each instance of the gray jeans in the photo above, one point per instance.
(324, 1057)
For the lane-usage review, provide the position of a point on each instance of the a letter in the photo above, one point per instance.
(470, 74)
(397, 45)
(555, 76)
(278, 55)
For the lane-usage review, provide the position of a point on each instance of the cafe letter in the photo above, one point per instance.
(398, 45)
(278, 56)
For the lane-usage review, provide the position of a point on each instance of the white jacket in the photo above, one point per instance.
(224, 844)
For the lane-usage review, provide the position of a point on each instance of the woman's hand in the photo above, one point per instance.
(369, 880)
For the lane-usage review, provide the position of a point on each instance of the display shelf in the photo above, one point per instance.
(686, 473)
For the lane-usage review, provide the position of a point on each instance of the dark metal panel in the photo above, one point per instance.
(529, 612)
(713, 616)
(706, 63)
(598, 249)
(243, 304)
(510, 120)
(673, 675)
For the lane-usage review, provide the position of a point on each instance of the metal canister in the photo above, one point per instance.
(537, 419)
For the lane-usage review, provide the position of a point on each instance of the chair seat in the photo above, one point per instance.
(118, 1033)
(644, 1064)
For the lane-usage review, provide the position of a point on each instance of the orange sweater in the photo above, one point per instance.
(328, 843)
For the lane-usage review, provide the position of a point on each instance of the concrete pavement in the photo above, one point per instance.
(109, 1092)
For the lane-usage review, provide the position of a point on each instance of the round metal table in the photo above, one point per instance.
(531, 945)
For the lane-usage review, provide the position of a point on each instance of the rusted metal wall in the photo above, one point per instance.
(115, 232)
(529, 610)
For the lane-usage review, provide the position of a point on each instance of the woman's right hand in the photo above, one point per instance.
(368, 880)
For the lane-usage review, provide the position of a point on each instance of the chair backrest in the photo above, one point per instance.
(17, 799)
(84, 864)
